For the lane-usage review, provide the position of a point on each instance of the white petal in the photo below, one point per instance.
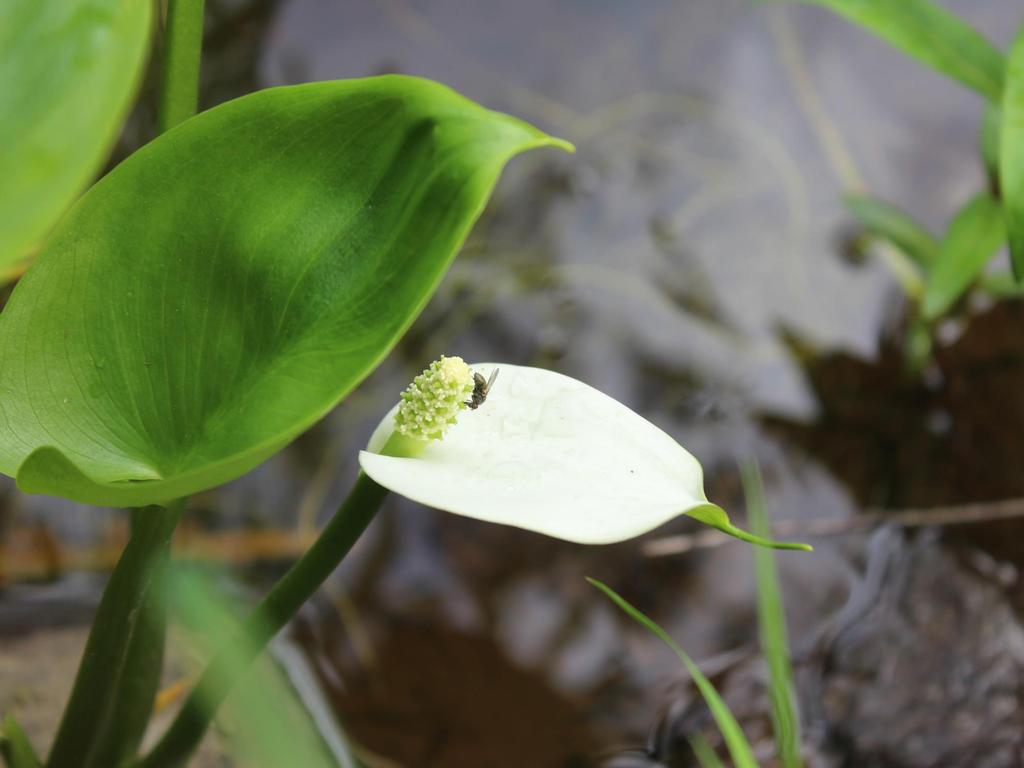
(549, 454)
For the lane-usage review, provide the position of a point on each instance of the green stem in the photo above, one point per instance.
(120, 669)
(183, 42)
(283, 602)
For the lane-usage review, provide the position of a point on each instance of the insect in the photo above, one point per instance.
(481, 389)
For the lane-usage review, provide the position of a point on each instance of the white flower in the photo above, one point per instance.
(553, 455)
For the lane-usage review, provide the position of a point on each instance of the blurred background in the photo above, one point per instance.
(693, 260)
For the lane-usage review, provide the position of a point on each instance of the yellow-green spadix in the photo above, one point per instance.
(547, 453)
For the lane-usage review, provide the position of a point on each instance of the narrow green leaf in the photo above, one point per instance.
(229, 283)
(739, 747)
(1011, 155)
(705, 755)
(892, 224)
(68, 73)
(15, 747)
(933, 36)
(772, 620)
(120, 670)
(974, 236)
(266, 723)
(278, 606)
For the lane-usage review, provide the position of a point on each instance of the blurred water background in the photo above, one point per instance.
(693, 260)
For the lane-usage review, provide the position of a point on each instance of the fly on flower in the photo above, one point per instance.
(481, 388)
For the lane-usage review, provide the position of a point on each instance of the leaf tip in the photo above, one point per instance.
(563, 144)
(612, 595)
(541, 139)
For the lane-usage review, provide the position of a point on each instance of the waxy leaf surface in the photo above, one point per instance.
(229, 283)
(68, 72)
(551, 454)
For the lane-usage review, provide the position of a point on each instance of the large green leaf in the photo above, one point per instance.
(1011, 155)
(227, 285)
(974, 236)
(120, 669)
(886, 221)
(933, 36)
(68, 71)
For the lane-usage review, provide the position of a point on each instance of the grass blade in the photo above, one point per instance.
(15, 747)
(772, 620)
(267, 723)
(739, 747)
(933, 36)
(705, 755)
(976, 233)
(1011, 155)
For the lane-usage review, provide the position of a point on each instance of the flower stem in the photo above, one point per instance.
(280, 604)
(183, 42)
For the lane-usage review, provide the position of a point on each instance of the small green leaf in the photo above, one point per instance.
(933, 36)
(120, 669)
(68, 73)
(772, 620)
(739, 747)
(224, 287)
(1011, 155)
(892, 224)
(975, 235)
(16, 748)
